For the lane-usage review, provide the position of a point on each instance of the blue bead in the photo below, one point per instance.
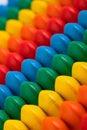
(45, 55)
(60, 42)
(30, 67)
(82, 18)
(3, 10)
(13, 3)
(14, 80)
(74, 31)
(4, 92)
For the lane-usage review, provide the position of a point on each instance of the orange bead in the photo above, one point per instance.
(66, 2)
(27, 32)
(53, 10)
(3, 55)
(13, 43)
(71, 113)
(82, 95)
(41, 21)
(53, 123)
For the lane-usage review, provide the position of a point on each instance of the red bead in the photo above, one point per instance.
(84, 122)
(14, 61)
(28, 49)
(3, 72)
(56, 25)
(42, 37)
(69, 14)
(80, 4)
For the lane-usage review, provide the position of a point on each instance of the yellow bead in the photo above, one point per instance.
(39, 7)
(26, 16)
(14, 125)
(4, 36)
(67, 87)
(50, 102)
(32, 116)
(50, 1)
(13, 27)
(79, 72)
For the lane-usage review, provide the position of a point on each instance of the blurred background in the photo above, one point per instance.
(3, 2)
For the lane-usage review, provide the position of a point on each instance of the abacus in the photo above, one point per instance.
(43, 65)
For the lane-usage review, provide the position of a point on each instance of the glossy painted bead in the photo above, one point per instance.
(3, 118)
(79, 72)
(52, 1)
(27, 49)
(85, 36)
(29, 91)
(46, 53)
(27, 32)
(42, 37)
(66, 2)
(80, 4)
(84, 122)
(53, 123)
(32, 116)
(79, 53)
(69, 14)
(2, 23)
(74, 31)
(26, 16)
(29, 68)
(13, 27)
(14, 43)
(82, 18)
(13, 61)
(41, 21)
(15, 104)
(56, 25)
(46, 78)
(53, 10)
(3, 71)
(67, 87)
(3, 10)
(82, 95)
(62, 64)
(13, 3)
(14, 80)
(39, 7)
(4, 36)
(3, 55)
(15, 125)
(72, 113)
(50, 98)
(60, 43)
(4, 93)
(11, 11)
(25, 4)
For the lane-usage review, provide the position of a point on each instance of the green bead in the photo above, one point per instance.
(12, 13)
(13, 106)
(24, 4)
(29, 92)
(85, 36)
(62, 64)
(3, 118)
(78, 51)
(46, 78)
(2, 23)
